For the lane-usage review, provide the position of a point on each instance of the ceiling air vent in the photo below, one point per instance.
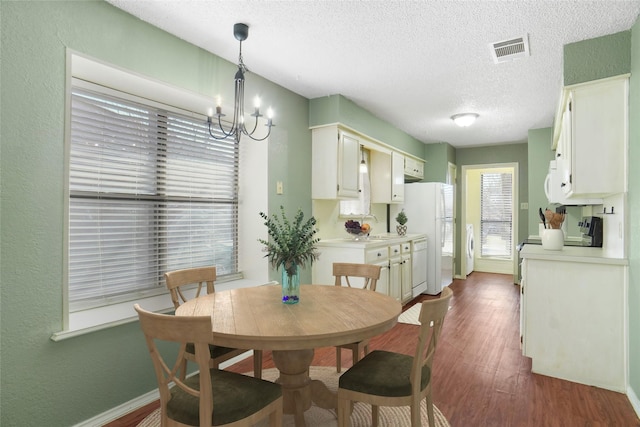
(508, 50)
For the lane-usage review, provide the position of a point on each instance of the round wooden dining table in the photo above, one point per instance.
(256, 318)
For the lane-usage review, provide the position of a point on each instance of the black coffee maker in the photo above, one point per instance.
(591, 229)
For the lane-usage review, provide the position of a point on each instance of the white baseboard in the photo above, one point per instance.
(633, 398)
(140, 401)
(121, 410)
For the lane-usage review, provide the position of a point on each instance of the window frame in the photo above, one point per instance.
(253, 197)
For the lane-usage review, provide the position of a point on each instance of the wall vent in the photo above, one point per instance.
(508, 50)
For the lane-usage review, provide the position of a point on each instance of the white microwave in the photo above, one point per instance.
(553, 189)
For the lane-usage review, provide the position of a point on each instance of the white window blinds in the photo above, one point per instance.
(149, 191)
(496, 222)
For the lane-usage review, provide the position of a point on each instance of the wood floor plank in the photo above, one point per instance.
(480, 376)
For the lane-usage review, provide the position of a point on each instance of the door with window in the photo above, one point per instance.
(489, 203)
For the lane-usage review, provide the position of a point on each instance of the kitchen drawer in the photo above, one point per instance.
(376, 255)
(394, 251)
(405, 248)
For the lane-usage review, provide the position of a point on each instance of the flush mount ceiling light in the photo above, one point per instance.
(237, 129)
(464, 119)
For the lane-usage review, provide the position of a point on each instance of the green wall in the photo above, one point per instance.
(46, 383)
(338, 109)
(634, 206)
(509, 153)
(597, 58)
(438, 158)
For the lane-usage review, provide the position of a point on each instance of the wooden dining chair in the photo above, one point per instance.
(383, 378)
(369, 274)
(212, 397)
(204, 276)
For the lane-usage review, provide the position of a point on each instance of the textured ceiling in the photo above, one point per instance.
(411, 63)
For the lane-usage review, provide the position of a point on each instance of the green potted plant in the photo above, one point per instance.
(401, 219)
(291, 246)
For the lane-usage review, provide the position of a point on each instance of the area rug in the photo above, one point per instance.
(411, 315)
(317, 417)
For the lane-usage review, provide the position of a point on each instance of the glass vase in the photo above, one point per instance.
(290, 284)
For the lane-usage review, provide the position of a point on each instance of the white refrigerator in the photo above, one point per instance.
(429, 209)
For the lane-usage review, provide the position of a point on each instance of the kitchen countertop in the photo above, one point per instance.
(373, 241)
(571, 254)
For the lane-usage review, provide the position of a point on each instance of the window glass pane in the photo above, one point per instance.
(496, 223)
(150, 191)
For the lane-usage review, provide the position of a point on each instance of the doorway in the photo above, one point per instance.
(489, 204)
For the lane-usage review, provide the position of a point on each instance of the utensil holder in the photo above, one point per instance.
(553, 239)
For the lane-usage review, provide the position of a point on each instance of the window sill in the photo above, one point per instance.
(99, 318)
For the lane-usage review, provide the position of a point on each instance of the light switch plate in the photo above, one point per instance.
(279, 188)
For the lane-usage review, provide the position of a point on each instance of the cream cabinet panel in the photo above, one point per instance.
(395, 272)
(573, 321)
(593, 135)
(335, 164)
(413, 169)
(405, 272)
(387, 177)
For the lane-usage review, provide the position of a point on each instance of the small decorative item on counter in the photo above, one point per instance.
(401, 219)
(357, 231)
(292, 245)
(552, 236)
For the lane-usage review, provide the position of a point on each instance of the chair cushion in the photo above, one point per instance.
(215, 350)
(382, 373)
(235, 396)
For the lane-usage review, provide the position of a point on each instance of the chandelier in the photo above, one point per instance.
(238, 128)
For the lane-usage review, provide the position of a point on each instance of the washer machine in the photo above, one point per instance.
(470, 251)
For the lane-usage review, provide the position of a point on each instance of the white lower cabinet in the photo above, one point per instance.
(405, 272)
(395, 272)
(573, 320)
(395, 258)
(380, 256)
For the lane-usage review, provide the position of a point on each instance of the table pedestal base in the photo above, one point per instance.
(298, 390)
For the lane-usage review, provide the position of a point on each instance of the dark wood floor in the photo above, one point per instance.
(480, 375)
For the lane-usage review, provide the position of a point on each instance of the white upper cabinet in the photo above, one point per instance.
(336, 156)
(413, 169)
(387, 177)
(335, 163)
(592, 136)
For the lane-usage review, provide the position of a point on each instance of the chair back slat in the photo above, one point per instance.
(202, 276)
(432, 315)
(369, 272)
